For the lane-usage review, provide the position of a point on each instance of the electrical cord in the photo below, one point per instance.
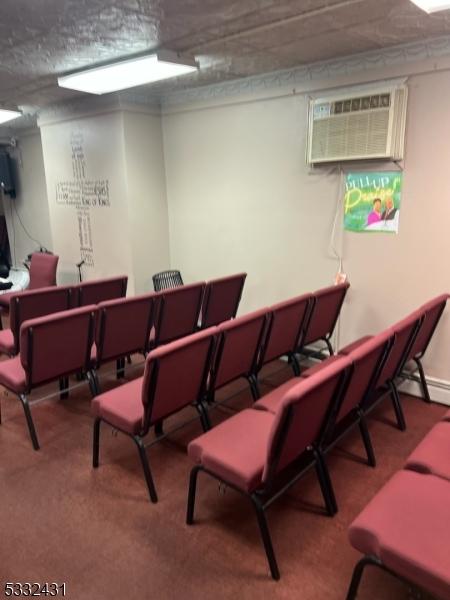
(14, 233)
(25, 229)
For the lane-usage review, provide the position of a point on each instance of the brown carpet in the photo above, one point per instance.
(62, 521)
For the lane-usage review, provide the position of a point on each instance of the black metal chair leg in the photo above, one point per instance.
(423, 380)
(63, 385)
(357, 575)
(294, 364)
(94, 385)
(159, 431)
(120, 368)
(264, 529)
(325, 483)
(329, 346)
(191, 495)
(397, 406)
(146, 467)
(371, 460)
(204, 416)
(96, 444)
(31, 429)
(254, 387)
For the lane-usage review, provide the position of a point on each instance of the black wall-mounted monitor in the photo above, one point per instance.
(6, 175)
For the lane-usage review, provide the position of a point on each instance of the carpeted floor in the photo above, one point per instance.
(95, 530)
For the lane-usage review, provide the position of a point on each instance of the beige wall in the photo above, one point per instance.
(31, 201)
(241, 198)
(146, 191)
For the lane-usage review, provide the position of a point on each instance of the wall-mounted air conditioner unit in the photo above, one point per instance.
(358, 126)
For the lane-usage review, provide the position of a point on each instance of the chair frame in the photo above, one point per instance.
(371, 560)
(138, 439)
(264, 496)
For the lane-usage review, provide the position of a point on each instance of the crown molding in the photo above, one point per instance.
(315, 75)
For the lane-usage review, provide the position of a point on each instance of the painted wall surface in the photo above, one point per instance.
(241, 199)
(30, 205)
(86, 183)
(394, 274)
(147, 202)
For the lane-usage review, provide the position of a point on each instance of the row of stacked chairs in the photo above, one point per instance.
(57, 331)
(405, 529)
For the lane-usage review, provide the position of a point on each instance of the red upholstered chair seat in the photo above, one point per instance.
(432, 455)
(319, 366)
(236, 450)
(122, 406)
(272, 400)
(12, 375)
(407, 527)
(6, 341)
(354, 345)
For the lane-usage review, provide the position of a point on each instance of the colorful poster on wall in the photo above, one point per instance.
(372, 201)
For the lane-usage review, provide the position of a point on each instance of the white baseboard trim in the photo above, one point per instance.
(439, 389)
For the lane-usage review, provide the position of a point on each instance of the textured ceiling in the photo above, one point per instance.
(41, 39)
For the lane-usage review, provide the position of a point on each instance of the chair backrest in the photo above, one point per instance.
(31, 304)
(176, 375)
(304, 416)
(404, 332)
(286, 324)
(42, 270)
(221, 299)
(167, 280)
(178, 312)
(99, 290)
(325, 312)
(367, 363)
(432, 312)
(57, 345)
(123, 326)
(240, 342)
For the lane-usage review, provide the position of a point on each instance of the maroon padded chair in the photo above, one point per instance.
(175, 377)
(405, 531)
(178, 313)
(432, 313)
(42, 274)
(240, 343)
(31, 304)
(51, 348)
(324, 315)
(100, 290)
(221, 299)
(123, 328)
(432, 455)
(255, 450)
(286, 324)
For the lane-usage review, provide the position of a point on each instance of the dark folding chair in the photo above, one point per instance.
(432, 313)
(31, 304)
(324, 315)
(99, 290)
(261, 454)
(167, 280)
(221, 299)
(178, 313)
(286, 324)
(175, 377)
(51, 348)
(123, 328)
(239, 346)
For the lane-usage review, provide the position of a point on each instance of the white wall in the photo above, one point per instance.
(30, 203)
(241, 198)
(88, 151)
(146, 191)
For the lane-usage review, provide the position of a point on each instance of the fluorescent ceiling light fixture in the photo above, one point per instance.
(431, 6)
(129, 73)
(8, 115)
